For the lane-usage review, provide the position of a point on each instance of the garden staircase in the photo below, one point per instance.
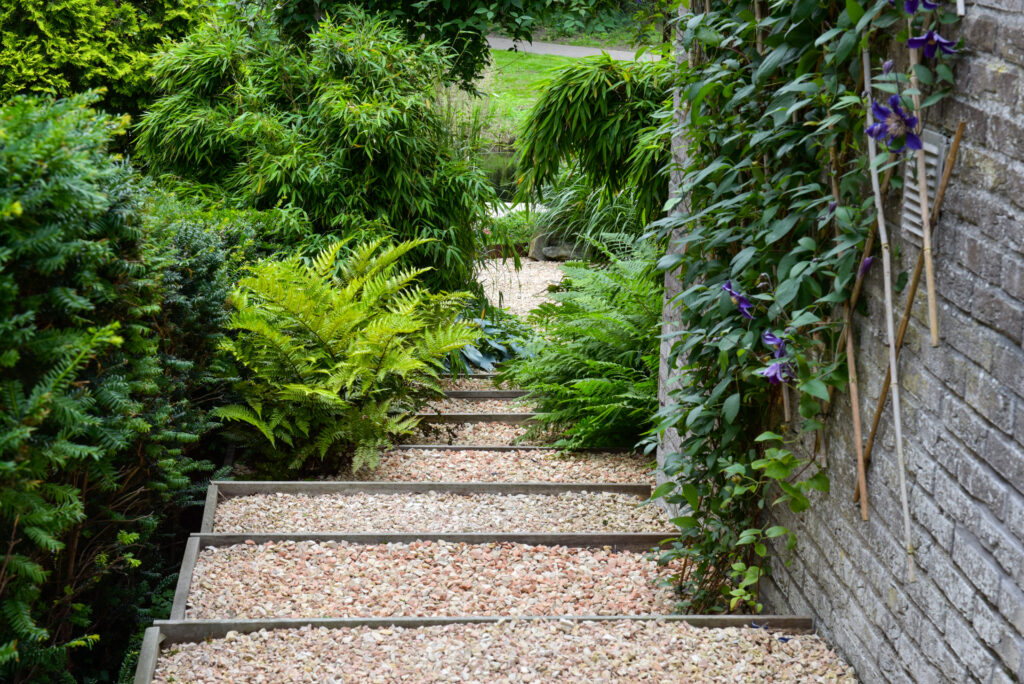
(283, 579)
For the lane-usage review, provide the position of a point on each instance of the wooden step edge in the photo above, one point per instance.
(506, 418)
(170, 632)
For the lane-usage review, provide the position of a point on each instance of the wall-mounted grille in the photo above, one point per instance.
(934, 154)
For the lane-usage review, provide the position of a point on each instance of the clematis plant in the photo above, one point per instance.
(742, 303)
(911, 6)
(932, 41)
(893, 125)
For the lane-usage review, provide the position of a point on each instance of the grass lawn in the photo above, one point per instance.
(512, 85)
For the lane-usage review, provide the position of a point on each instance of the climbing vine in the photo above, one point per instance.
(771, 237)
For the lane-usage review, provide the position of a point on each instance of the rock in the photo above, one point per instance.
(559, 250)
(537, 244)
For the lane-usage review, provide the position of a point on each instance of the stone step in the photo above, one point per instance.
(481, 395)
(507, 418)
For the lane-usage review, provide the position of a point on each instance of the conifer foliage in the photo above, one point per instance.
(90, 436)
(338, 351)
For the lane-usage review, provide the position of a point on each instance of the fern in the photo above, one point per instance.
(336, 364)
(593, 368)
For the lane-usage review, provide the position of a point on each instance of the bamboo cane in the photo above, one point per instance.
(883, 236)
(915, 281)
(922, 192)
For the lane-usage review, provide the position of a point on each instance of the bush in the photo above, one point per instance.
(338, 353)
(345, 130)
(594, 369)
(75, 46)
(576, 210)
(94, 418)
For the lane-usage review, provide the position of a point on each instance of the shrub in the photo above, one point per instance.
(338, 352)
(594, 369)
(575, 210)
(91, 436)
(345, 130)
(83, 44)
(602, 115)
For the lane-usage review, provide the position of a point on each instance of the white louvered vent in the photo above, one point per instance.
(934, 153)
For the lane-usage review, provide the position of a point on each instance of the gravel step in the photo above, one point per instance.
(485, 394)
(475, 433)
(439, 512)
(482, 405)
(340, 579)
(517, 465)
(511, 651)
(466, 418)
(474, 383)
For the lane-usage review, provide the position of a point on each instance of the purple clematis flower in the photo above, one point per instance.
(777, 372)
(894, 124)
(931, 42)
(773, 340)
(911, 5)
(865, 265)
(888, 66)
(739, 300)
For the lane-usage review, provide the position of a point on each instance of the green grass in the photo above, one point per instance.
(512, 86)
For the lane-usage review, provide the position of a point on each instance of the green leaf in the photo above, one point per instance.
(768, 436)
(775, 531)
(731, 407)
(815, 388)
(818, 481)
(924, 74)
(854, 11)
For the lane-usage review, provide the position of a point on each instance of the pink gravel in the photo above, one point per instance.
(479, 406)
(490, 434)
(310, 579)
(509, 651)
(527, 465)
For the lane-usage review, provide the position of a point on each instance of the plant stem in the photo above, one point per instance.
(883, 236)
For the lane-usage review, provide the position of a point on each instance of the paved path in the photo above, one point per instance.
(560, 50)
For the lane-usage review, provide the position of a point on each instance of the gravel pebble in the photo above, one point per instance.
(338, 579)
(467, 384)
(496, 434)
(512, 651)
(479, 406)
(518, 291)
(439, 512)
(527, 465)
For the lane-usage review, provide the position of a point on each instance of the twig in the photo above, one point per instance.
(851, 364)
(922, 192)
(915, 280)
(883, 236)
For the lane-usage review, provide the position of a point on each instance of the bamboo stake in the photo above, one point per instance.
(862, 482)
(883, 236)
(922, 192)
(915, 280)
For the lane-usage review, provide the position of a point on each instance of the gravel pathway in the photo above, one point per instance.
(518, 291)
(444, 465)
(512, 651)
(310, 579)
(465, 383)
(496, 434)
(439, 512)
(479, 406)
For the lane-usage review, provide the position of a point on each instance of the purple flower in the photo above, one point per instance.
(911, 5)
(777, 372)
(894, 125)
(865, 265)
(739, 300)
(832, 207)
(888, 66)
(931, 42)
(773, 340)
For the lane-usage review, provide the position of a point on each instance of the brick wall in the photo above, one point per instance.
(963, 412)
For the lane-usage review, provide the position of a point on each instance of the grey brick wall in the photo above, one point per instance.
(963, 619)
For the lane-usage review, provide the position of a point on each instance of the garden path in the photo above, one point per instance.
(466, 557)
(560, 50)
